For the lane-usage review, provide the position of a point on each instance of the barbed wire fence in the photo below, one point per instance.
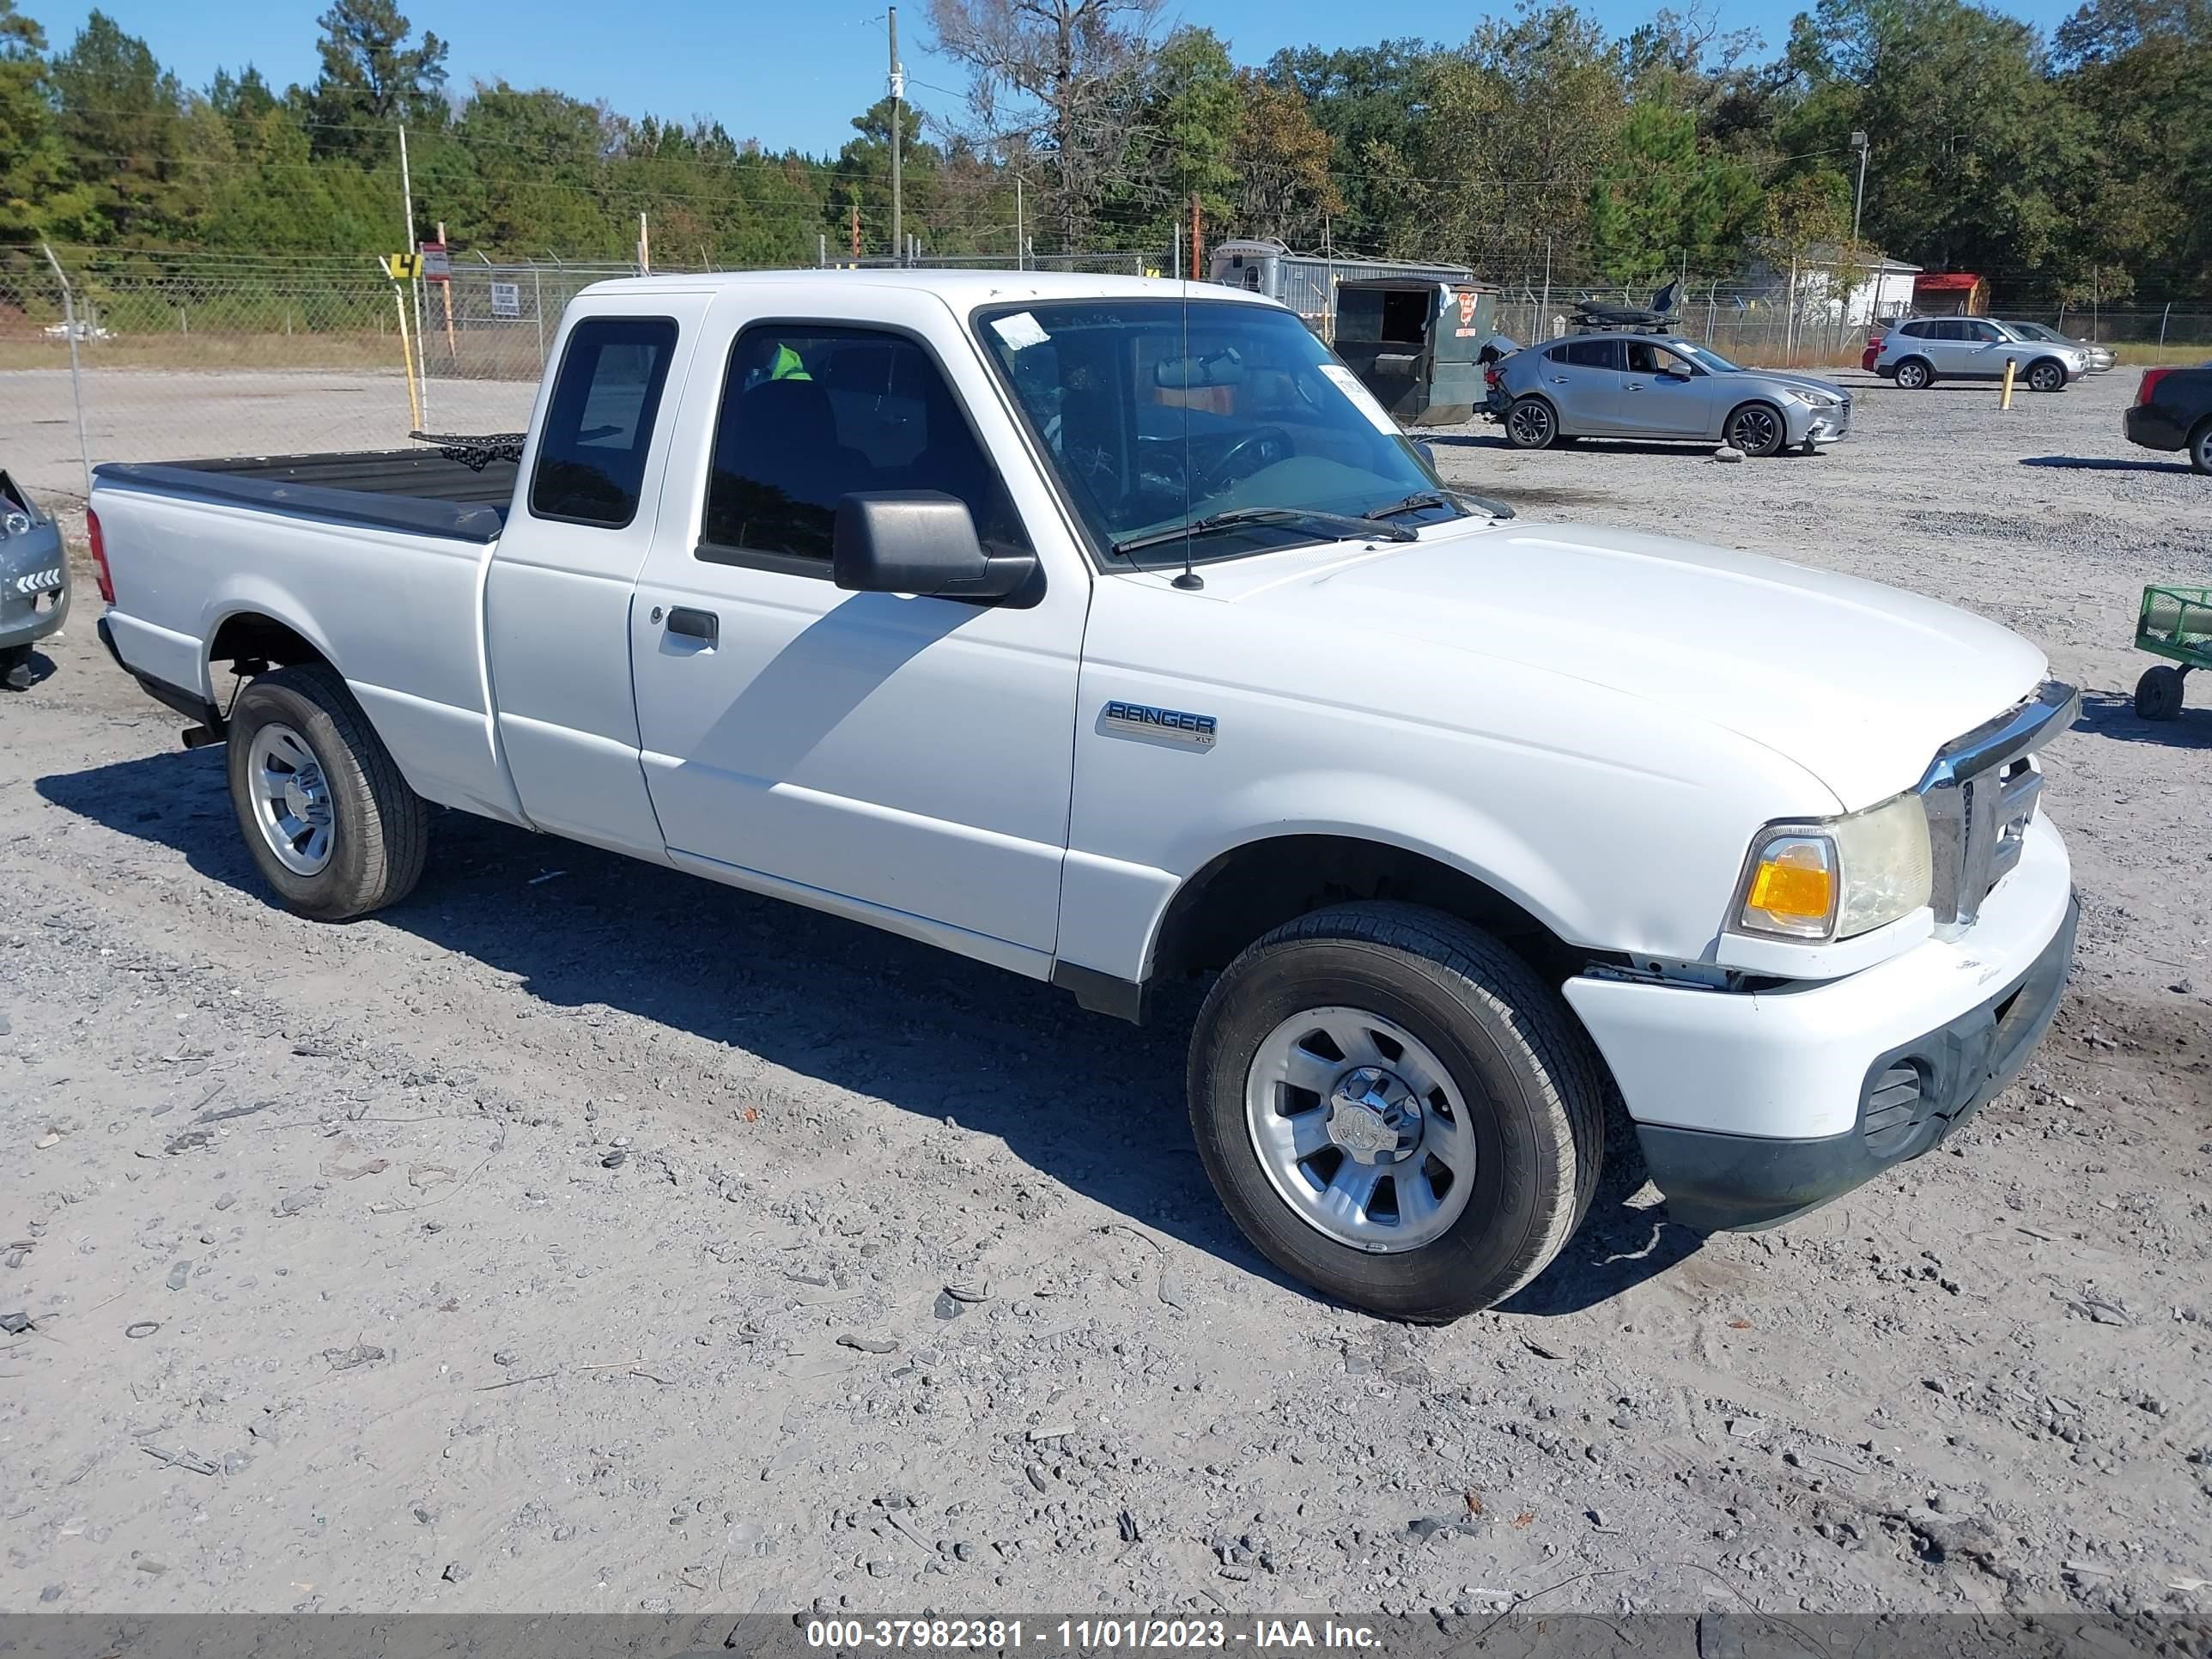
(118, 354)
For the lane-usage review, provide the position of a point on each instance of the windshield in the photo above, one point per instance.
(1711, 359)
(1158, 414)
(2032, 331)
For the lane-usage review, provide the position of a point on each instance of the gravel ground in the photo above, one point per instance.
(579, 1236)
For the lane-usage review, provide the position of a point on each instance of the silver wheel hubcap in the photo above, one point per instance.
(1360, 1130)
(1755, 429)
(291, 800)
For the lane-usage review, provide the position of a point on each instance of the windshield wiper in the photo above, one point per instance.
(1441, 498)
(1346, 528)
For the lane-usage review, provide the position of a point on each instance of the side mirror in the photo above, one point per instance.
(918, 541)
(1428, 452)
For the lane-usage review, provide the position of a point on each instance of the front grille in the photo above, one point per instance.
(1981, 792)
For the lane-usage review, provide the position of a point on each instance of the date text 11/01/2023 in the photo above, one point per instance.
(1088, 1635)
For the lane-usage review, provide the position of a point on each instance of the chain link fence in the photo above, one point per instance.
(206, 354)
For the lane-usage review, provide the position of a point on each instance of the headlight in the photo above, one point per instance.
(16, 523)
(1837, 878)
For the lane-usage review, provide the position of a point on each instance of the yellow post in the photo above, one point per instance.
(2005, 400)
(407, 355)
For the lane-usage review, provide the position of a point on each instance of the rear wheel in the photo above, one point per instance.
(1396, 1110)
(1531, 425)
(2046, 375)
(2159, 692)
(1756, 429)
(15, 667)
(329, 822)
(1914, 372)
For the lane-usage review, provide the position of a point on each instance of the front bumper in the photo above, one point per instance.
(1755, 1107)
(34, 585)
(1827, 426)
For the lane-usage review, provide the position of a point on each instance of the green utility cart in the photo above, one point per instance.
(2175, 622)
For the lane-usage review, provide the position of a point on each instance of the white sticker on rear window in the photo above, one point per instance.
(1019, 330)
(1361, 398)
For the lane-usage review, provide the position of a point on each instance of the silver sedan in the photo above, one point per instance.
(2101, 358)
(1642, 385)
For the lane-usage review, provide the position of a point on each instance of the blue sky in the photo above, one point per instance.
(787, 72)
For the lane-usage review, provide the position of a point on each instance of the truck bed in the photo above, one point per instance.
(426, 492)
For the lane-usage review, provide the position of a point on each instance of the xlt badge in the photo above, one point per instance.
(1138, 720)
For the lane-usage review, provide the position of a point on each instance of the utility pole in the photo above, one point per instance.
(898, 96)
(1197, 240)
(644, 247)
(407, 203)
(1021, 257)
(1858, 206)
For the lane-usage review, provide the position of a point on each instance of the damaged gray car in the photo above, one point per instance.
(34, 589)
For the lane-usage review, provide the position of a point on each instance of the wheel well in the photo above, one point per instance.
(1256, 888)
(249, 636)
(1915, 357)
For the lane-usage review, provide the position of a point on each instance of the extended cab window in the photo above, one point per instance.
(811, 412)
(598, 428)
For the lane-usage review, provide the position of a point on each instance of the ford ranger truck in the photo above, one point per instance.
(1107, 630)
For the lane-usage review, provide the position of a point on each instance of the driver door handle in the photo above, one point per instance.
(702, 625)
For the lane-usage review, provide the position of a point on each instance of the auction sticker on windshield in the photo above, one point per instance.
(1019, 330)
(1361, 398)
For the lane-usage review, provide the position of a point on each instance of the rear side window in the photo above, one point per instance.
(811, 412)
(1915, 331)
(1594, 354)
(598, 426)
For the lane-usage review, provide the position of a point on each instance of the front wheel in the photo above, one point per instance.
(1757, 429)
(329, 822)
(1396, 1110)
(2047, 376)
(1530, 424)
(2200, 448)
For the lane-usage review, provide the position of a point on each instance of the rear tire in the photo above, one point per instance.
(1531, 423)
(2046, 375)
(1513, 1112)
(1757, 429)
(2158, 693)
(332, 826)
(1914, 372)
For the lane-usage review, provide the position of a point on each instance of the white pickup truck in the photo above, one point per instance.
(1108, 631)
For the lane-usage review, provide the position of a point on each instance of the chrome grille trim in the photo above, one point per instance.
(1981, 791)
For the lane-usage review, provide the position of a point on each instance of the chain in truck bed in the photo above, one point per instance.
(475, 454)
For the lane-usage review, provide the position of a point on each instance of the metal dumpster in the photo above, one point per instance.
(1415, 344)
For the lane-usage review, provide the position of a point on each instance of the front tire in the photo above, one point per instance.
(331, 823)
(1531, 423)
(2046, 375)
(1914, 372)
(1396, 1110)
(1757, 429)
(2200, 447)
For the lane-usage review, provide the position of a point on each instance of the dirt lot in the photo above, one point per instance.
(577, 1236)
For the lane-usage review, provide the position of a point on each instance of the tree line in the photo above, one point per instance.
(2075, 165)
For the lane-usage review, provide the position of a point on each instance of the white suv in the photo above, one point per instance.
(1924, 349)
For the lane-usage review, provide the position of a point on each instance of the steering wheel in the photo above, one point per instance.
(1251, 453)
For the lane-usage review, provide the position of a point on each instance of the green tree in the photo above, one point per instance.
(1184, 143)
(1370, 102)
(35, 196)
(373, 81)
(1664, 200)
(122, 120)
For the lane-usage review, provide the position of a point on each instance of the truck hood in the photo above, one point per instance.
(1857, 682)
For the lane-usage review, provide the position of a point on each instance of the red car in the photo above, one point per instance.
(1873, 351)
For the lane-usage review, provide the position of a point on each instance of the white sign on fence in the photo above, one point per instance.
(506, 300)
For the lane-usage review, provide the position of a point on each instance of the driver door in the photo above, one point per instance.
(1664, 394)
(905, 759)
